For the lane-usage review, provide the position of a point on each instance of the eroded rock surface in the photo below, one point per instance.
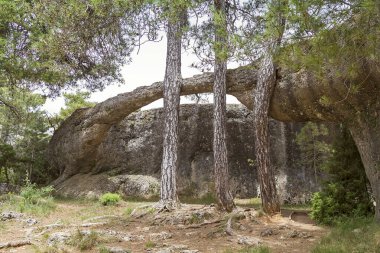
(129, 159)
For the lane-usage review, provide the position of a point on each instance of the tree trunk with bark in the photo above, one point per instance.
(222, 188)
(172, 88)
(366, 134)
(262, 95)
(261, 100)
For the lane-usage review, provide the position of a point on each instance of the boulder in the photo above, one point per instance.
(128, 161)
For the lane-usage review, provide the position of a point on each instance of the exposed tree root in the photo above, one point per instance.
(15, 244)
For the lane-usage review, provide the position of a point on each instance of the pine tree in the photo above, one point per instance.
(172, 87)
(262, 95)
(223, 194)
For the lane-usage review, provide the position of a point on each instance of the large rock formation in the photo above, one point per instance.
(299, 96)
(133, 149)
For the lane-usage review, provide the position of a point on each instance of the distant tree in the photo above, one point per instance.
(24, 136)
(346, 191)
(73, 101)
(313, 148)
(7, 159)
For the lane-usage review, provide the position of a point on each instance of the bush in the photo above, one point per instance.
(84, 241)
(108, 199)
(345, 193)
(359, 235)
(32, 199)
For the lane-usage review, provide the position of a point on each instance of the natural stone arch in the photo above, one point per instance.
(299, 96)
(86, 128)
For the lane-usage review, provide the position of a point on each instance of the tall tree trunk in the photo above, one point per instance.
(172, 87)
(261, 99)
(366, 134)
(223, 194)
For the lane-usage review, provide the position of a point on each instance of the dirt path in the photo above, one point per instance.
(140, 228)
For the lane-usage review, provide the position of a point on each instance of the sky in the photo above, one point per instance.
(147, 67)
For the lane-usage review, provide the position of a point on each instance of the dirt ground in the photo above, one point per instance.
(138, 227)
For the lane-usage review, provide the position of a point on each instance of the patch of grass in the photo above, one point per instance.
(83, 241)
(206, 199)
(104, 250)
(258, 249)
(49, 249)
(137, 199)
(109, 199)
(34, 200)
(150, 245)
(195, 219)
(128, 211)
(359, 235)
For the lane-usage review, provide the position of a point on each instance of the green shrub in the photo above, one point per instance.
(32, 199)
(345, 194)
(108, 199)
(360, 235)
(84, 241)
(150, 245)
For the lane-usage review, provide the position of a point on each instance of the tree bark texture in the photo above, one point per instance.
(262, 96)
(222, 188)
(172, 88)
(261, 99)
(366, 135)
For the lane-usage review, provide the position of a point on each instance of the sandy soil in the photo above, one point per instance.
(138, 227)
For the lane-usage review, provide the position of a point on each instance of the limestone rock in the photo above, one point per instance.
(160, 236)
(10, 215)
(249, 241)
(128, 160)
(116, 250)
(58, 237)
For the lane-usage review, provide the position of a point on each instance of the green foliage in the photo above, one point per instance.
(24, 137)
(84, 241)
(313, 147)
(332, 38)
(109, 199)
(150, 245)
(73, 101)
(345, 193)
(32, 199)
(51, 44)
(361, 235)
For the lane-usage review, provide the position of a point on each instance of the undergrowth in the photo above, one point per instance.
(109, 199)
(34, 200)
(359, 235)
(83, 241)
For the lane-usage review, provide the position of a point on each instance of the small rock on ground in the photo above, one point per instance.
(249, 241)
(117, 250)
(266, 232)
(160, 236)
(10, 215)
(58, 237)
